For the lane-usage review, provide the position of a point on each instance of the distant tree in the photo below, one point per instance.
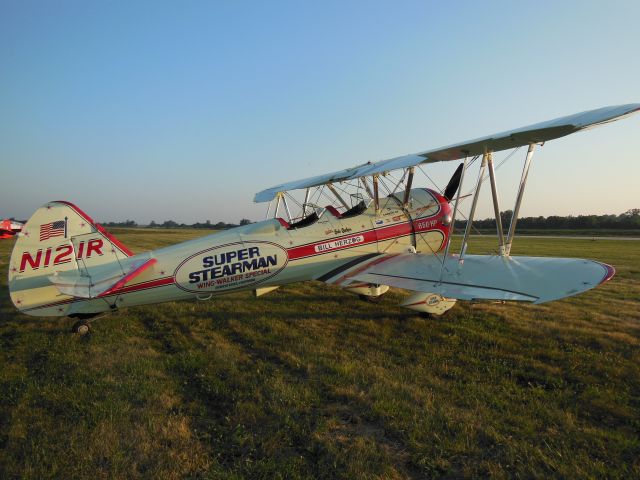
(245, 221)
(505, 218)
(153, 223)
(126, 223)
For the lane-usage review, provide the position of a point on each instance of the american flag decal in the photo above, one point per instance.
(53, 229)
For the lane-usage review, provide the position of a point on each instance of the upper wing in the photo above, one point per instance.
(529, 279)
(537, 133)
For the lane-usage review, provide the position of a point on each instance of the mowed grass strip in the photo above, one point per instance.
(310, 382)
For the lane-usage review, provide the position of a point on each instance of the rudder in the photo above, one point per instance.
(58, 237)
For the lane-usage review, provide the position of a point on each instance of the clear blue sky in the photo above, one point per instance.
(183, 110)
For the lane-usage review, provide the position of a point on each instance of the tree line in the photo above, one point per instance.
(629, 220)
(172, 224)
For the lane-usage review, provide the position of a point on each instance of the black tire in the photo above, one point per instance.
(81, 327)
(370, 299)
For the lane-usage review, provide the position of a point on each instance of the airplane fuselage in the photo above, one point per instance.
(252, 257)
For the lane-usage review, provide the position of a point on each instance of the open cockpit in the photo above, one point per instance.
(317, 212)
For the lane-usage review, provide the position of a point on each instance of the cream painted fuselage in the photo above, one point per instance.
(267, 254)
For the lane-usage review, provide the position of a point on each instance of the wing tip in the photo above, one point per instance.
(609, 273)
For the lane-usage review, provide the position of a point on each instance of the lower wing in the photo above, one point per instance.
(483, 277)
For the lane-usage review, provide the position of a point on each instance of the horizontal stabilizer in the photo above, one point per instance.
(101, 280)
(484, 277)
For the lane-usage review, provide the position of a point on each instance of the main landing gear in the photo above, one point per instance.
(82, 325)
(371, 298)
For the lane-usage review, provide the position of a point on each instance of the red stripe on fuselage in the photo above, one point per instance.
(370, 236)
(161, 282)
(128, 277)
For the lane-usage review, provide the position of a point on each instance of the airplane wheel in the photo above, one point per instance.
(371, 299)
(80, 327)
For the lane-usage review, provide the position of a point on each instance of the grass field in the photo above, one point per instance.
(310, 382)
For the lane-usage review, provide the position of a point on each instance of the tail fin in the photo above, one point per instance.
(58, 237)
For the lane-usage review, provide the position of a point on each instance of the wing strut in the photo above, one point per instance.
(304, 204)
(280, 196)
(516, 209)
(286, 207)
(405, 202)
(474, 203)
(376, 197)
(453, 216)
(268, 211)
(335, 192)
(366, 186)
(496, 205)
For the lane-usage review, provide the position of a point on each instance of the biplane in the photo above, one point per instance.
(374, 234)
(8, 228)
